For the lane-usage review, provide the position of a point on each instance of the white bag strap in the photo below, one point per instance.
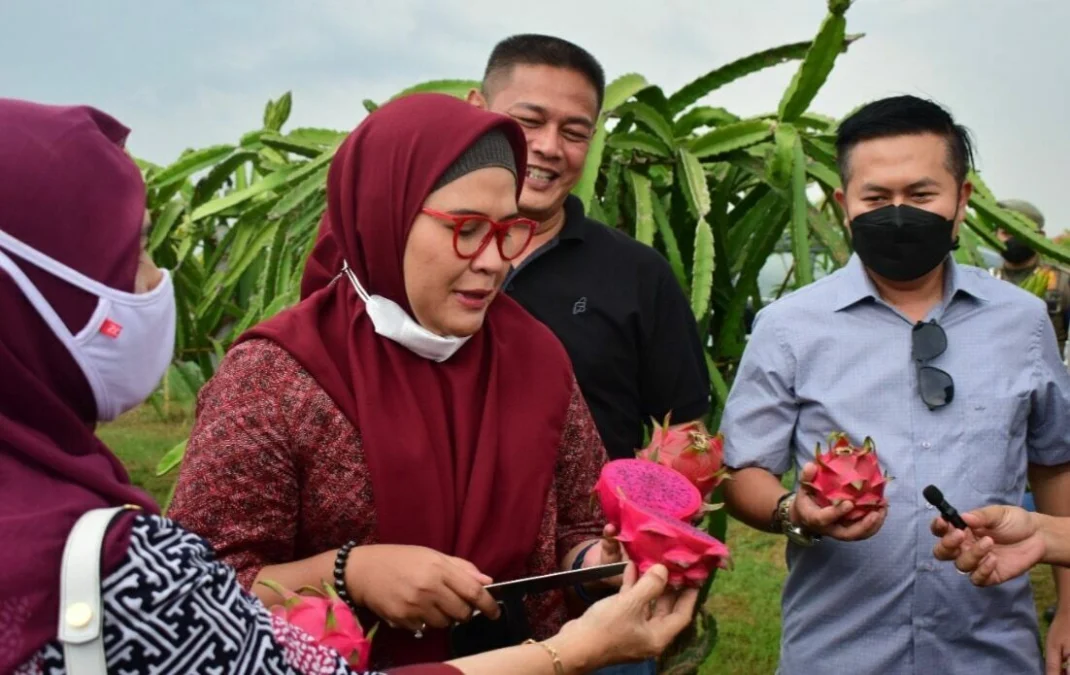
(81, 620)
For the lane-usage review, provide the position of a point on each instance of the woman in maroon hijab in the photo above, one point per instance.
(86, 334)
(404, 429)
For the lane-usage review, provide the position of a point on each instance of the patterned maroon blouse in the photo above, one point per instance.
(274, 472)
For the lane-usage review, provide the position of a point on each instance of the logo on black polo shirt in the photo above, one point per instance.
(581, 306)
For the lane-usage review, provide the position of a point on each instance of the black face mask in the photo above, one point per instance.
(1017, 251)
(902, 243)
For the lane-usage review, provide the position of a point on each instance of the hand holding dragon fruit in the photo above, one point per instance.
(328, 619)
(690, 451)
(849, 473)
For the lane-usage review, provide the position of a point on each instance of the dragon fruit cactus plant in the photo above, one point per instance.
(690, 451)
(327, 619)
(849, 473)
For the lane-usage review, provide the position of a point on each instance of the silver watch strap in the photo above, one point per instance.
(81, 620)
(779, 517)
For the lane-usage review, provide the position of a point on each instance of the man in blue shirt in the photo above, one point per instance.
(957, 378)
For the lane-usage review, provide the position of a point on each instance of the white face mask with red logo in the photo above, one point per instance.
(125, 347)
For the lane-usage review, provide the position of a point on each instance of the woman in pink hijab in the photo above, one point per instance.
(86, 333)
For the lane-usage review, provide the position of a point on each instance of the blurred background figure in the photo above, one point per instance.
(1022, 265)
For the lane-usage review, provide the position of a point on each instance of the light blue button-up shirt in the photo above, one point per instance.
(835, 357)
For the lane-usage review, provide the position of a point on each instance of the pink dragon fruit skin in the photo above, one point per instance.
(647, 483)
(328, 620)
(652, 538)
(690, 451)
(849, 473)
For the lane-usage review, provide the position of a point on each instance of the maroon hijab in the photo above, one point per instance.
(67, 189)
(461, 453)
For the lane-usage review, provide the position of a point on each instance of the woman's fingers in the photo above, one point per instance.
(651, 585)
(433, 617)
(950, 545)
(939, 527)
(668, 626)
(665, 604)
(471, 569)
(985, 574)
(631, 575)
(685, 603)
(970, 556)
(463, 593)
(453, 605)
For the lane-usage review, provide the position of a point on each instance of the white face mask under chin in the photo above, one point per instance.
(394, 323)
(125, 347)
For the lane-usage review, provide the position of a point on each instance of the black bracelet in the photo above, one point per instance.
(340, 574)
(577, 564)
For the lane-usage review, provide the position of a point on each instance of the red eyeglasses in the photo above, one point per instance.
(472, 233)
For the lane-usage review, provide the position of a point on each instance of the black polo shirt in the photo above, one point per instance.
(623, 318)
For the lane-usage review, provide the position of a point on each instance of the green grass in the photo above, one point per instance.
(140, 438)
(745, 600)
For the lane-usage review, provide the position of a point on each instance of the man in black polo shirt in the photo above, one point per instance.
(612, 301)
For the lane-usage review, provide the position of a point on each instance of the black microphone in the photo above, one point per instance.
(936, 498)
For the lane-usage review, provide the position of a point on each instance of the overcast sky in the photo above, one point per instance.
(198, 72)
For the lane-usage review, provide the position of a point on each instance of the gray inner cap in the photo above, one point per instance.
(490, 149)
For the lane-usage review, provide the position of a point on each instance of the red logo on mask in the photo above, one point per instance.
(111, 329)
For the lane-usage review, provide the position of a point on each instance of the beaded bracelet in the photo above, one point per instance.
(340, 574)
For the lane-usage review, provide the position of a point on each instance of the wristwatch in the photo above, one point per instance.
(782, 523)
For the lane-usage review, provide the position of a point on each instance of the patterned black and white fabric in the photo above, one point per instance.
(172, 609)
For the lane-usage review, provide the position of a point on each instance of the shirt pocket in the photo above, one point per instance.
(995, 449)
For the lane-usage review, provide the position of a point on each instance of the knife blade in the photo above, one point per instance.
(555, 580)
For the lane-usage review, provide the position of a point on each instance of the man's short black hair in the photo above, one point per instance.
(901, 116)
(531, 49)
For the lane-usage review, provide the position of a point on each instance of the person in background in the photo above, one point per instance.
(87, 334)
(612, 301)
(957, 378)
(1021, 262)
(404, 423)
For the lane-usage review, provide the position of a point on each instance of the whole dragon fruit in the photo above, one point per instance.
(328, 619)
(849, 473)
(690, 451)
(649, 484)
(650, 538)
